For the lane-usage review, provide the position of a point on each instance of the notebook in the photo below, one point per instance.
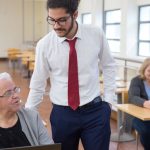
(40, 147)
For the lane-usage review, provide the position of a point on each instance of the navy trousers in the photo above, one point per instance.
(91, 124)
(143, 128)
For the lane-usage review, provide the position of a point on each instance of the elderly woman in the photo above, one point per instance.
(139, 94)
(18, 126)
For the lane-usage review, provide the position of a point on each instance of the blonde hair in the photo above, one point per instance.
(143, 67)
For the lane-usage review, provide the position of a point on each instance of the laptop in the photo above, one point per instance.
(40, 147)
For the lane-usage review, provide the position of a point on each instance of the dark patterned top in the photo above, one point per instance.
(13, 137)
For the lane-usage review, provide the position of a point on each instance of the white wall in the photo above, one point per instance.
(18, 26)
(10, 25)
(28, 26)
(94, 6)
(35, 24)
(143, 2)
(112, 4)
(129, 28)
(129, 22)
(21, 23)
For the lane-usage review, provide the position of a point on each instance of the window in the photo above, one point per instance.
(87, 18)
(144, 31)
(112, 29)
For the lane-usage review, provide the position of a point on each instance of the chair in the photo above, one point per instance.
(12, 55)
(27, 61)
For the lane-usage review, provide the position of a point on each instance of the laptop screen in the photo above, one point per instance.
(40, 147)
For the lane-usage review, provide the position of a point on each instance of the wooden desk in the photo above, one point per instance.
(136, 111)
(121, 136)
(122, 98)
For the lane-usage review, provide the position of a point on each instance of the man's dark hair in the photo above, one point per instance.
(70, 5)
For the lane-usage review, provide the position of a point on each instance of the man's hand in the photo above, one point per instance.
(110, 105)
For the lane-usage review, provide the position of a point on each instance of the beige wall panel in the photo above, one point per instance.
(28, 20)
(10, 25)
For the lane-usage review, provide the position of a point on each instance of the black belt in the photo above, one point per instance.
(94, 101)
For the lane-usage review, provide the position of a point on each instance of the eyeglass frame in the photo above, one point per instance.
(11, 92)
(59, 21)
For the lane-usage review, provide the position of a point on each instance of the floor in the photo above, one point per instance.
(45, 108)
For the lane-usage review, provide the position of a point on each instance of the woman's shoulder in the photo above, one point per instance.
(136, 79)
(28, 112)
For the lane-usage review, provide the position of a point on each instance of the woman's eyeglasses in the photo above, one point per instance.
(11, 92)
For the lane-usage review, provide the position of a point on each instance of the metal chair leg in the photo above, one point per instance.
(137, 139)
(121, 130)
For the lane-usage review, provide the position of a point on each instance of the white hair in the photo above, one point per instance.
(5, 76)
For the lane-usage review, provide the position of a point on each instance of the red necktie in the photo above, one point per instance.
(73, 83)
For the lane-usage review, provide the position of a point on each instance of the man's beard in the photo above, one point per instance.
(67, 31)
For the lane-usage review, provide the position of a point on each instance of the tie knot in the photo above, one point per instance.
(72, 42)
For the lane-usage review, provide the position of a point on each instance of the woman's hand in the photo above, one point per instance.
(146, 104)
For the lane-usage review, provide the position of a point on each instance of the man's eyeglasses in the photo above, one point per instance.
(11, 92)
(60, 21)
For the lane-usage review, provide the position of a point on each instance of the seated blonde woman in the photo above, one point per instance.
(18, 126)
(139, 94)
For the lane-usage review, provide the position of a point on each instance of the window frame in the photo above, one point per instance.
(140, 23)
(109, 24)
(84, 14)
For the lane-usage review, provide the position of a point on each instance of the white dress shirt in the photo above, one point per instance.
(52, 57)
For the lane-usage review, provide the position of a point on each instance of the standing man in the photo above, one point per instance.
(70, 55)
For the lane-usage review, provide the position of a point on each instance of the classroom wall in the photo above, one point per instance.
(23, 22)
(10, 25)
(35, 24)
(143, 2)
(94, 6)
(129, 22)
(112, 4)
(129, 28)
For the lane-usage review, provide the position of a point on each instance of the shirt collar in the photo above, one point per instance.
(78, 35)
